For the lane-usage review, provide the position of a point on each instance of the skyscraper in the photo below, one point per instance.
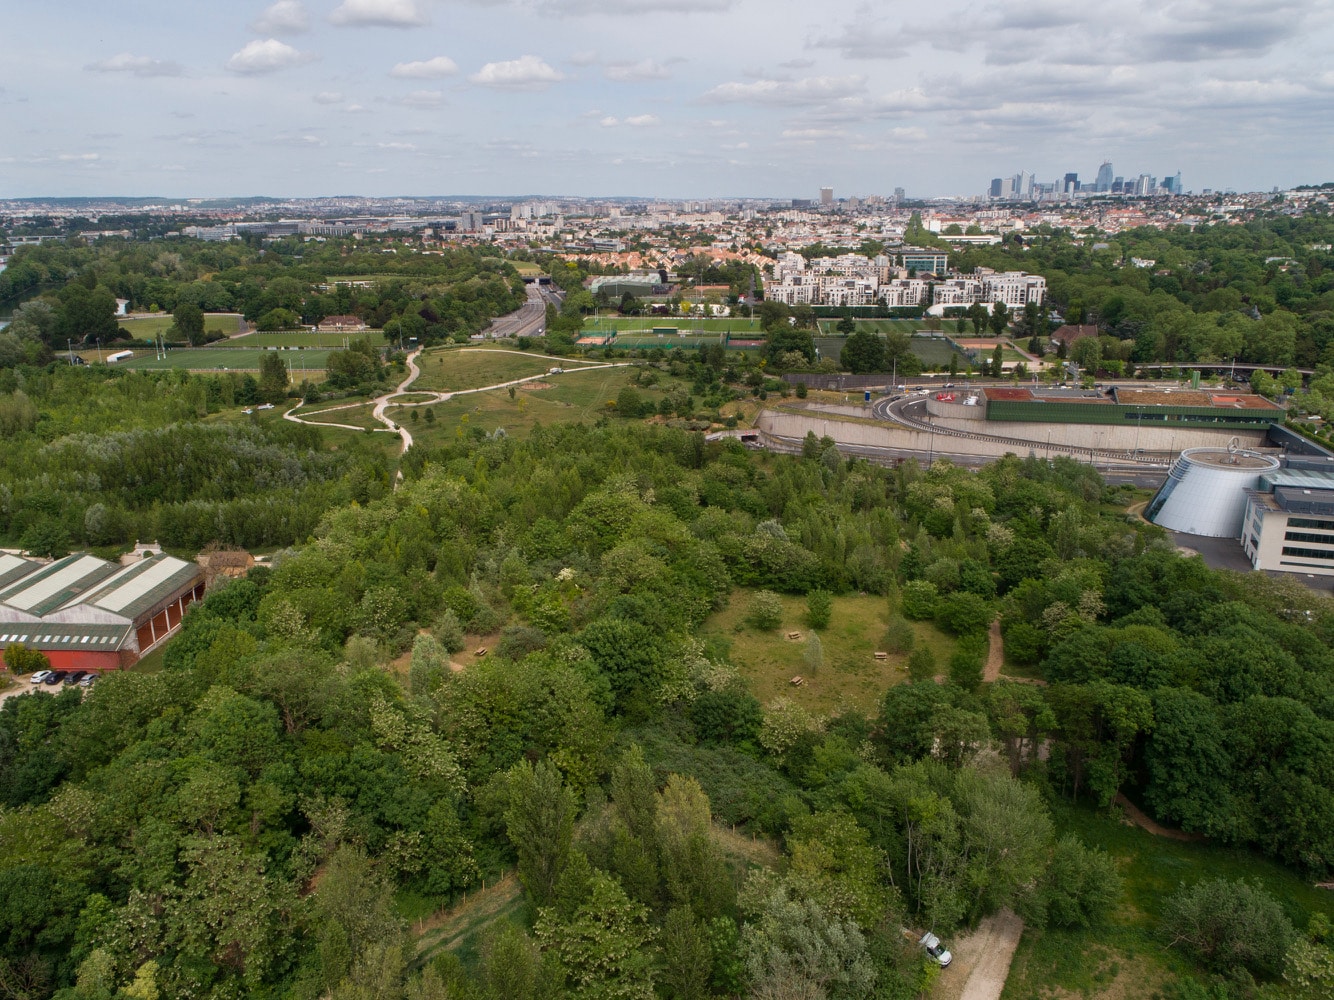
(826, 197)
(1104, 181)
(1070, 184)
(995, 191)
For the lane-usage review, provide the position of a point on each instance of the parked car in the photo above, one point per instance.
(73, 678)
(41, 676)
(89, 679)
(938, 952)
(54, 678)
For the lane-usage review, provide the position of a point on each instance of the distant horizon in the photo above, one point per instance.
(691, 99)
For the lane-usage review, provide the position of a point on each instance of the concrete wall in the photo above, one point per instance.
(957, 411)
(1107, 437)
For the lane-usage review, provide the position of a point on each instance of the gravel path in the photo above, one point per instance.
(995, 654)
(981, 960)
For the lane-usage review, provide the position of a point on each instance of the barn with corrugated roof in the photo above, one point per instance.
(86, 613)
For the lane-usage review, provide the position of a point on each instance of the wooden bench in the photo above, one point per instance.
(479, 651)
(881, 656)
(794, 635)
(797, 681)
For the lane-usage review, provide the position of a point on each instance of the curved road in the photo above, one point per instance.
(380, 403)
(905, 411)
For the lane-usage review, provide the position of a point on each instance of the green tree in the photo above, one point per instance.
(1000, 318)
(766, 611)
(998, 360)
(273, 377)
(847, 324)
(601, 944)
(819, 608)
(540, 824)
(188, 322)
(863, 352)
(21, 659)
(686, 957)
(1081, 885)
(813, 654)
(1229, 926)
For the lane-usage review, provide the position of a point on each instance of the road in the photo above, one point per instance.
(529, 319)
(910, 411)
(981, 960)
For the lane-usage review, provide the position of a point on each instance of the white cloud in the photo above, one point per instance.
(810, 90)
(425, 69)
(328, 97)
(138, 65)
(286, 17)
(645, 69)
(379, 13)
(403, 147)
(633, 121)
(630, 7)
(267, 56)
(420, 99)
(524, 73)
(79, 157)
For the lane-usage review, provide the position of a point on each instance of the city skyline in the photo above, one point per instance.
(661, 98)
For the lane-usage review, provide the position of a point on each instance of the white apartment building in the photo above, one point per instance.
(856, 280)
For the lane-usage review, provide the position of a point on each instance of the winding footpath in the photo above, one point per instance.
(380, 403)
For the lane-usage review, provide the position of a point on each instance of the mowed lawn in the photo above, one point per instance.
(225, 359)
(738, 325)
(450, 370)
(851, 675)
(829, 327)
(310, 338)
(150, 326)
(354, 416)
(1126, 958)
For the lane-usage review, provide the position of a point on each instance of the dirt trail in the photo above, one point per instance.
(1136, 816)
(995, 654)
(981, 960)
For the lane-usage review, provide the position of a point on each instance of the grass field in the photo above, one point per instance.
(527, 269)
(908, 326)
(449, 370)
(309, 339)
(224, 359)
(1126, 959)
(151, 326)
(357, 416)
(566, 398)
(851, 675)
(737, 325)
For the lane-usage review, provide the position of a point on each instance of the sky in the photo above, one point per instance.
(655, 98)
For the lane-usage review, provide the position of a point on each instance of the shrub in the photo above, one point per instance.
(964, 613)
(517, 641)
(766, 611)
(1081, 885)
(919, 600)
(1228, 926)
(921, 664)
(966, 663)
(899, 635)
(801, 390)
(819, 608)
(21, 660)
(448, 631)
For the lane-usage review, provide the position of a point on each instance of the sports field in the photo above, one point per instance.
(647, 324)
(147, 327)
(308, 338)
(217, 359)
(908, 326)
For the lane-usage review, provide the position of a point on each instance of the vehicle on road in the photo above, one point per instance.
(938, 952)
(41, 676)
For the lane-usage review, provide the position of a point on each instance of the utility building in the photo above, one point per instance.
(86, 613)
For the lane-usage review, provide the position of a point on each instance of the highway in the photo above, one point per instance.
(529, 320)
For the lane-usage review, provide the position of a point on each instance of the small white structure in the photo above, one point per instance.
(119, 356)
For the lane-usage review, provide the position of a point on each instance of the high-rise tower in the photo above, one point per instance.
(1104, 181)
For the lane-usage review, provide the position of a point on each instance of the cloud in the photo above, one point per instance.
(328, 97)
(810, 90)
(426, 69)
(138, 65)
(524, 73)
(630, 72)
(401, 147)
(267, 56)
(633, 121)
(586, 58)
(420, 100)
(79, 157)
(576, 8)
(286, 17)
(379, 14)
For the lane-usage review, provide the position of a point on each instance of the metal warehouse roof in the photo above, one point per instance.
(1301, 479)
(51, 586)
(57, 635)
(136, 590)
(13, 568)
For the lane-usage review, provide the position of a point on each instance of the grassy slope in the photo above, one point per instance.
(450, 370)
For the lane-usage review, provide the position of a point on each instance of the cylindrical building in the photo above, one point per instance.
(1205, 492)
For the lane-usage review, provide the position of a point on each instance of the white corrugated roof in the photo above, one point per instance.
(49, 586)
(120, 597)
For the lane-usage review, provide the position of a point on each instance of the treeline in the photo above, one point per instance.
(1261, 292)
(248, 820)
(94, 457)
(432, 297)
